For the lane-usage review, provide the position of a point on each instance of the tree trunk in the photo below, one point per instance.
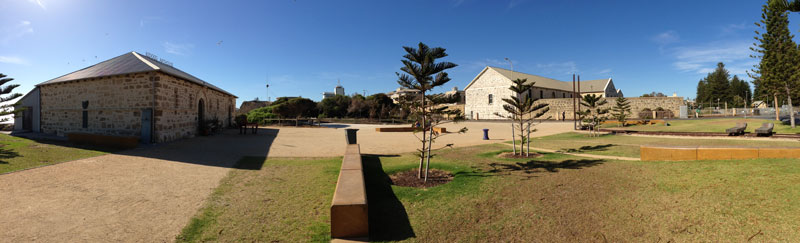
(777, 110)
(424, 132)
(791, 109)
(521, 137)
(430, 144)
(513, 141)
(528, 141)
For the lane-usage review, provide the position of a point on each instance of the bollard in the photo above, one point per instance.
(350, 134)
(485, 134)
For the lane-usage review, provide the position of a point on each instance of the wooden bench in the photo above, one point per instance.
(253, 126)
(349, 207)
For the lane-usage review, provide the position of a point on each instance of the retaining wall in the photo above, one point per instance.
(654, 153)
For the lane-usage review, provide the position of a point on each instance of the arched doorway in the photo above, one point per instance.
(200, 114)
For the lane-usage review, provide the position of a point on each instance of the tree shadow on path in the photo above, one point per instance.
(388, 220)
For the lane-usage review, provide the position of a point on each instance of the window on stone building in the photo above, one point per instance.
(541, 94)
(563, 95)
(554, 94)
(85, 119)
(491, 99)
(176, 98)
(529, 94)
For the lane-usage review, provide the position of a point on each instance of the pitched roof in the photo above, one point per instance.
(127, 63)
(548, 83)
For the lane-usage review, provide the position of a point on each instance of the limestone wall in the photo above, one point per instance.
(115, 105)
(557, 106)
(177, 102)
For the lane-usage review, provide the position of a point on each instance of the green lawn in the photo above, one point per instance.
(551, 198)
(628, 146)
(711, 125)
(21, 153)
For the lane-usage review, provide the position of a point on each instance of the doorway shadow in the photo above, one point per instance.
(388, 220)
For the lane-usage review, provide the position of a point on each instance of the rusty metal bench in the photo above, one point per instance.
(737, 130)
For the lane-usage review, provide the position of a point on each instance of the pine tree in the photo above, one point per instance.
(621, 110)
(594, 114)
(7, 109)
(522, 110)
(778, 54)
(422, 72)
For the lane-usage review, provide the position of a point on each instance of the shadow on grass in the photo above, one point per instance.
(7, 154)
(388, 220)
(591, 148)
(533, 166)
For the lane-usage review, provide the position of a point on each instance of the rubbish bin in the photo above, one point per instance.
(485, 134)
(350, 133)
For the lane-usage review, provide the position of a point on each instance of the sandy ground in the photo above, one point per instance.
(149, 194)
(324, 142)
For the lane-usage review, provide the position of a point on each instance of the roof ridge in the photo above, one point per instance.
(145, 61)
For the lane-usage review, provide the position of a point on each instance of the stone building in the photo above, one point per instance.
(485, 92)
(130, 95)
(403, 93)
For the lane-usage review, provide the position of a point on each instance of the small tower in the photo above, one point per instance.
(339, 89)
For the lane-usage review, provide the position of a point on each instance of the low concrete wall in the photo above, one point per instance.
(654, 153)
(407, 129)
(349, 207)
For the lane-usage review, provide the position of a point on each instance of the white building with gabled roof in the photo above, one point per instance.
(485, 92)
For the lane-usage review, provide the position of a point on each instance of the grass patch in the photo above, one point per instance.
(287, 200)
(710, 125)
(20, 153)
(554, 197)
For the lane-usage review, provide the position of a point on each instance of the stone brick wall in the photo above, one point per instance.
(177, 104)
(115, 104)
(557, 106)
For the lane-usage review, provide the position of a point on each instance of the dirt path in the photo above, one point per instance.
(143, 195)
(325, 142)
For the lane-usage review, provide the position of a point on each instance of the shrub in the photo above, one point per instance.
(258, 115)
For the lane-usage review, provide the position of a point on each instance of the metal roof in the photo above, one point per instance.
(128, 63)
(598, 85)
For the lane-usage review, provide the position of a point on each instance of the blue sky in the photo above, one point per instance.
(302, 47)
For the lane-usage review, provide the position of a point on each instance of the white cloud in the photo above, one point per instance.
(732, 28)
(667, 37)
(38, 2)
(16, 31)
(456, 3)
(604, 71)
(480, 64)
(12, 60)
(703, 59)
(148, 20)
(514, 3)
(178, 49)
(563, 68)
